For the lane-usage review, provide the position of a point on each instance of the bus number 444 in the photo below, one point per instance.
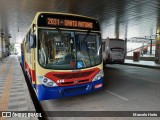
(60, 81)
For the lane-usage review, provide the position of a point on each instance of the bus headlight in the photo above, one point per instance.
(47, 82)
(98, 76)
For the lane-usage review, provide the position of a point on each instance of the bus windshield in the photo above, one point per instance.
(68, 49)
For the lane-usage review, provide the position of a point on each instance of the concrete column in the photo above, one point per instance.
(4, 45)
(151, 47)
(117, 29)
(157, 52)
(125, 38)
(0, 46)
(7, 46)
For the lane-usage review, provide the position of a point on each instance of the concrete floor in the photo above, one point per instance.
(127, 88)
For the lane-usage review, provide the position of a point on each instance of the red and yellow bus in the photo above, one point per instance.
(62, 55)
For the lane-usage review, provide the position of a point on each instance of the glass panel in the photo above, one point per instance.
(68, 50)
(88, 49)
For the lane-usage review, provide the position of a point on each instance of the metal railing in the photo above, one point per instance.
(142, 48)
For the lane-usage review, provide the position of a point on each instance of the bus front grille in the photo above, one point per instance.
(73, 75)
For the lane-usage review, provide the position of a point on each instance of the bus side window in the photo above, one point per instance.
(28, 49)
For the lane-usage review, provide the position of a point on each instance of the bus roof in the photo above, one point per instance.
(60, 13)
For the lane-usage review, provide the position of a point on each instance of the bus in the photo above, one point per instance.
(113, 51)
(62, 55)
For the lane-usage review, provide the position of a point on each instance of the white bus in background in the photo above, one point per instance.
(113, 50)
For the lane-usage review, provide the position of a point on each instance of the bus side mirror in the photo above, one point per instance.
(32, 41)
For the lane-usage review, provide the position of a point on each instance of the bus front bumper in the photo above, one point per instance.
(46, 93)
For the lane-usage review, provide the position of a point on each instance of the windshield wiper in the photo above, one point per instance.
(84, 40)
(86, 36)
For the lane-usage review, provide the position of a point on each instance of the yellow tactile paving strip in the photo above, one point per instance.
(14, 94)
(6, 91)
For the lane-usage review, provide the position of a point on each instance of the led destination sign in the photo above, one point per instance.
(69, 23)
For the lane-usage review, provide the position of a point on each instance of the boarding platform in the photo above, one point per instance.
(142, 63)
(14, 93)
